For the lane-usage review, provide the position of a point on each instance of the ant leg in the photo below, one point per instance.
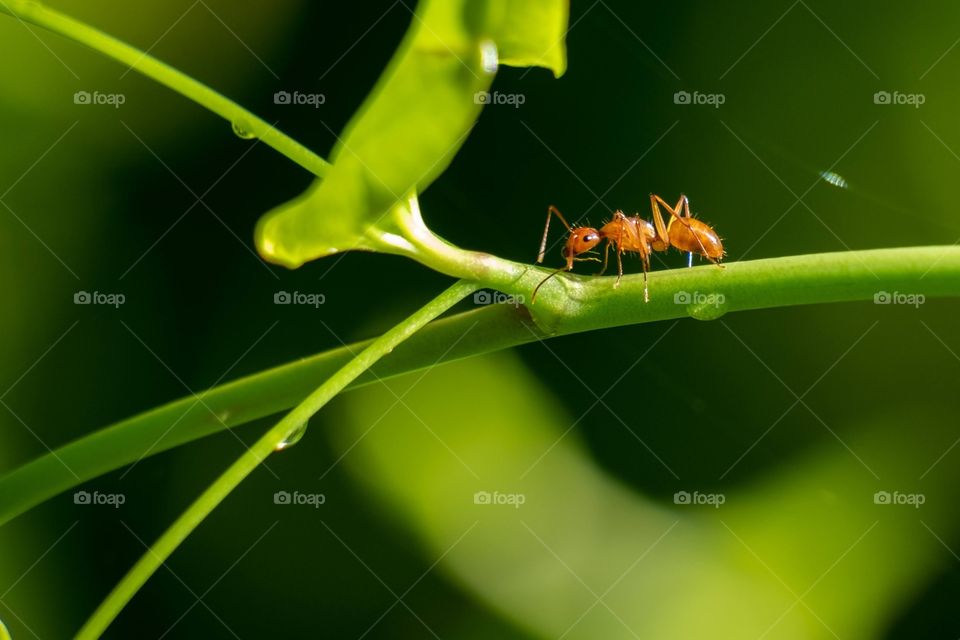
(686, 211)
(687, 214)
(551, 210)
(663, 230)
(676, 216)
(616, 285)
(619, 249)
(646, 289)
(645, 250)
(661, 241)
(606, 255)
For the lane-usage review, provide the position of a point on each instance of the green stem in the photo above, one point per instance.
(268, 443)
(168, 76)
(567, 304)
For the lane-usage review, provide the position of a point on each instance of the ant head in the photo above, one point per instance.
(581, 240)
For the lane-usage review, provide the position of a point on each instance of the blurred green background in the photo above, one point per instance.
(99, 199)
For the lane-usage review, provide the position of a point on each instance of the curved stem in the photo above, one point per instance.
(251, 459)
(567, 304)
(168, 76)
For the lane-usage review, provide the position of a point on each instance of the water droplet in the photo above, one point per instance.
(710, 306)
(293, 437)
(242, 130)
(489, 56)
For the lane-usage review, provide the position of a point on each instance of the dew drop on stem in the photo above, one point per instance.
(292, 438)
(708, 307)
(242, 130)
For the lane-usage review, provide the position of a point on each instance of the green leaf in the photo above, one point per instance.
(531, 33)
(410, 127)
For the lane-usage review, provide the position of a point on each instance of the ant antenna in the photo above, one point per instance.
(533, 298)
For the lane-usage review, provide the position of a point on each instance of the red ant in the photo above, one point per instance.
(634, 234)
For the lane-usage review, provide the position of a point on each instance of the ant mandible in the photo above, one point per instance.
(636, 235)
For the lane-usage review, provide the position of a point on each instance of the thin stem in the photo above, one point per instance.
(567, 304)
(168, 76)
(228, 481)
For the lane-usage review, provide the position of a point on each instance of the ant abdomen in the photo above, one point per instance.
(698, 237)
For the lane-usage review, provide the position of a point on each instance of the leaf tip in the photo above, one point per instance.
(269, 248)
